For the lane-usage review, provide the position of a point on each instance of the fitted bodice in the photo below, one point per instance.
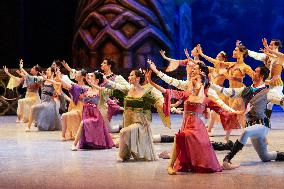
(47, 92)
(94, 99)
(194, 107)
(144, 103)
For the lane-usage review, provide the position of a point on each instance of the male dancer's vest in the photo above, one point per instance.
(257, 97)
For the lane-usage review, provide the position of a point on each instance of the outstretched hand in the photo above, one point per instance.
(21, 63)
(5, 69)
(152, 65)
(64, 63)
(264, 42)
(199, 49)
(43, 75)
(238, 43)
(163, 53)
(186, 53)
(148, 75)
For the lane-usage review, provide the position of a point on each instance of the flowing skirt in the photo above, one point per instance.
(95, 133)
(136, 137)
(194, 150)
(25, 104)
(46, 116)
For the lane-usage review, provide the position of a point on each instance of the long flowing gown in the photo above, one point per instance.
(136, 135)
(194, 149)
(31, 98)
(95, 133)
(73, 117)
(46, 114)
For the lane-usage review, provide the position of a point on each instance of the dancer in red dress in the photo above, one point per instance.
(192, 149)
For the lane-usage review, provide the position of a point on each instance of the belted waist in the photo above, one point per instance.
(193, 113)
(90, 104)
(264, 121)
(47, 93)
(135, 109)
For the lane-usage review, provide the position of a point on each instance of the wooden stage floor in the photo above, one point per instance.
(40, 160)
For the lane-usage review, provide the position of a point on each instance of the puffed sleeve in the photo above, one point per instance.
(76, 91)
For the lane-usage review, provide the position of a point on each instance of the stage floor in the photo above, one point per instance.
(40, 160)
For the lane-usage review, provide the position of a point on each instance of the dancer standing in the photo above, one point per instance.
(217, 75)
(236, 73)
(107, 66)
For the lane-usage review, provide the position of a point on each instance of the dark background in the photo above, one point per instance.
(36, 30)
(42, 30)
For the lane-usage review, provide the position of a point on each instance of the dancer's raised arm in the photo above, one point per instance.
(21, 65)
(180, 84)
(267, 49)
(229, 92)
(148, 75)
(210, 59)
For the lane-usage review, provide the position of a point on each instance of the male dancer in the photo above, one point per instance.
(107, 67)
(258, 125)
(272, 63)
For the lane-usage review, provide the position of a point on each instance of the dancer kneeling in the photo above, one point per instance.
(192, 150)
(136, 135)
(92, 132)
(256, 99)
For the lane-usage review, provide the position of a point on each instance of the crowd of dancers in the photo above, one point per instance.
(93, 98)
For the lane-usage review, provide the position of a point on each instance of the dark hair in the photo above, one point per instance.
(83, 72)
(100, 77)
(244, 50)
(204, 76)
(111, 63)
(224, 56)
(277, 43)
(264, 72)
(37, 68)
(139, 74)
(57, 63)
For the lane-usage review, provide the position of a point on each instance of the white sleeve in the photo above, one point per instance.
(72, 74)
(66, 79)
(229, 92)
(212, 93)
(257, 56)
(180, 84)
(119, 79)
(118, 86)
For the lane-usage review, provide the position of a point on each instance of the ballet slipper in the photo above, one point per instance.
(73, 147)
(164, 155)
(171, 171)
(229, 166)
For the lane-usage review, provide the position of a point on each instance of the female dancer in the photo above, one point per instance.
(46, 114)
(31, 97)
(174, 64)
(236, 73)
(136, 135)
(218, 75)
(92, 132)
(193, 142)
(72, 119)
